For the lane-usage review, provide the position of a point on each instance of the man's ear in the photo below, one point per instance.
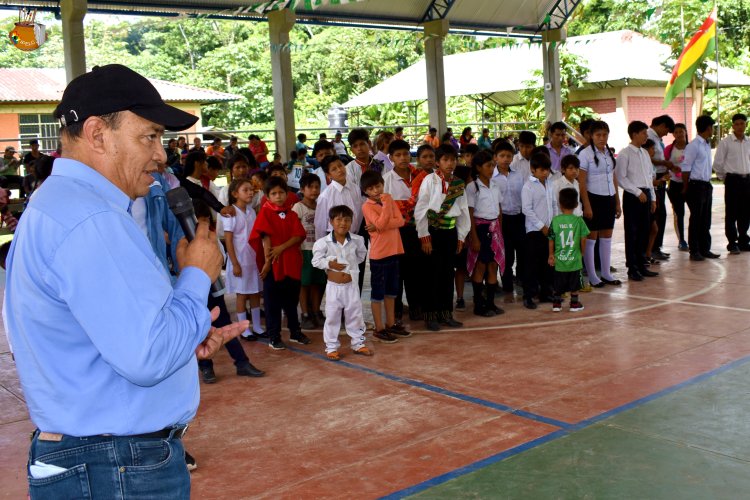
(94, 129)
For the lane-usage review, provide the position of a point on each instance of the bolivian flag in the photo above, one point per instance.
(700, 46)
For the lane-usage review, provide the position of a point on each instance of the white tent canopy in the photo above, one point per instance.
(614, 59)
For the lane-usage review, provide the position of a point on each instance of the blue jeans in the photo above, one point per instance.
(111, 467)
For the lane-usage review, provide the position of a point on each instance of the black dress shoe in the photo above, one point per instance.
(451, 322)
(648, 273)
(710, 255)
(599, 285)
(248, 370)
(529, 304)
(635, 276)
(611, 282)
(696, 257)
(432, 326)
(249, 338)
(262, 335)
(208, 375)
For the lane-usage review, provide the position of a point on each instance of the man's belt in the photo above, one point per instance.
(175, 432)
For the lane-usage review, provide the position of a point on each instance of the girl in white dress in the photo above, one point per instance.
(242, 271)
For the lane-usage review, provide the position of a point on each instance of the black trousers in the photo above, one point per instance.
(661, 212)
(514, 236)
(278, 296)
(410, 271)
(637, 228)
(699, 201)
(537, 278)
(439, 274)
(737, 206)
(234, 348)
(678, 207)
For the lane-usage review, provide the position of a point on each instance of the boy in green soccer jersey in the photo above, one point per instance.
(567, 242)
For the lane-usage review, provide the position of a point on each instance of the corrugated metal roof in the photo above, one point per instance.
(614, 59)
(47, 85)
(485, 16)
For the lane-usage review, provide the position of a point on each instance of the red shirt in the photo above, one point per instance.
(279, 224)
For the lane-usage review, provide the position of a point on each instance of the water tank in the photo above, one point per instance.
(338, 118)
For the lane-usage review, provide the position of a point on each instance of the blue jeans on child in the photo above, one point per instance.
(111, 467)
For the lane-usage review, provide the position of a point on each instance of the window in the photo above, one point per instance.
(39, 126)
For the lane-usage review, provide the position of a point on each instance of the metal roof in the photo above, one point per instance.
(615, 59)
(47, 85)
(516, 18)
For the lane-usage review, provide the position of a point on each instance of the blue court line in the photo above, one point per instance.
(445, 392)
(473, 467)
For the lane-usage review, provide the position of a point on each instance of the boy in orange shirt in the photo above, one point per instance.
(383, 220)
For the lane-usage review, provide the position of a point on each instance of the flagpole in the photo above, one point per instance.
(684, 91)
(716, 50)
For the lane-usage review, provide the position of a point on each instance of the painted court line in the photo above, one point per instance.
(578, 319)
(445, 392)
(467, 469)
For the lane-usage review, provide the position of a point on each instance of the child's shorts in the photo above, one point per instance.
(311, 275)
(570, 281)
(384, 275)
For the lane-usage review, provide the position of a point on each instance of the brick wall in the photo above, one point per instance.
(600, 106)
(9, 129)
(646, 108)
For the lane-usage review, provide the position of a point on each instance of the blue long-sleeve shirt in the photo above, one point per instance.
(104, 344)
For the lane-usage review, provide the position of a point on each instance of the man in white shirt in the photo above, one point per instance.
(634, 175)
(660, 127)
(732, 165)
(696, 186)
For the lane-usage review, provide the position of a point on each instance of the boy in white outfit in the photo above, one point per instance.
(339, 254)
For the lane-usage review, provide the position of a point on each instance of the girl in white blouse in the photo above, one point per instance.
(601, 202)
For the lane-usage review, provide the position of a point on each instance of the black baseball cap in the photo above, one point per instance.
(112, 88)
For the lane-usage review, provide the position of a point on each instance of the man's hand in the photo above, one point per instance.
(545, 231)
(203, 252)
(217, 337)
(181, 252)
(336, 265)
(228, 211)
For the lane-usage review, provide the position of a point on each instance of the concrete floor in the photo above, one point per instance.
(641, 395)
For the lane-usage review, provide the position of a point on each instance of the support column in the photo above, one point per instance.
(280, 22)
(551, 68)
(434, 33)
(74, 43)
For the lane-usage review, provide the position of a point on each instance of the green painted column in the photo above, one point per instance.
(434, 33)
(280, 22)
(551, 68)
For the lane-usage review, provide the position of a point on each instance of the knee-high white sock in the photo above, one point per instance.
(588, 261)
(605, 257)
(242, 316)
(255, 313)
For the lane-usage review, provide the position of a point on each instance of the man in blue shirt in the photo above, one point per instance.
(104, 344)
(697, 189)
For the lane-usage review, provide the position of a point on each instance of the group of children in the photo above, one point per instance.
(426, 229)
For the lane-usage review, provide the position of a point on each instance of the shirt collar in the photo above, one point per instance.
(734, 138)
(333, 237)
(66, 167)
(337, 186)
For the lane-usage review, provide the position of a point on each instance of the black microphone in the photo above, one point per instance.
(181, 206)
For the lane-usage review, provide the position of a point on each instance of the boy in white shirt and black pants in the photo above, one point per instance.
(537, 204)
(634, 173)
